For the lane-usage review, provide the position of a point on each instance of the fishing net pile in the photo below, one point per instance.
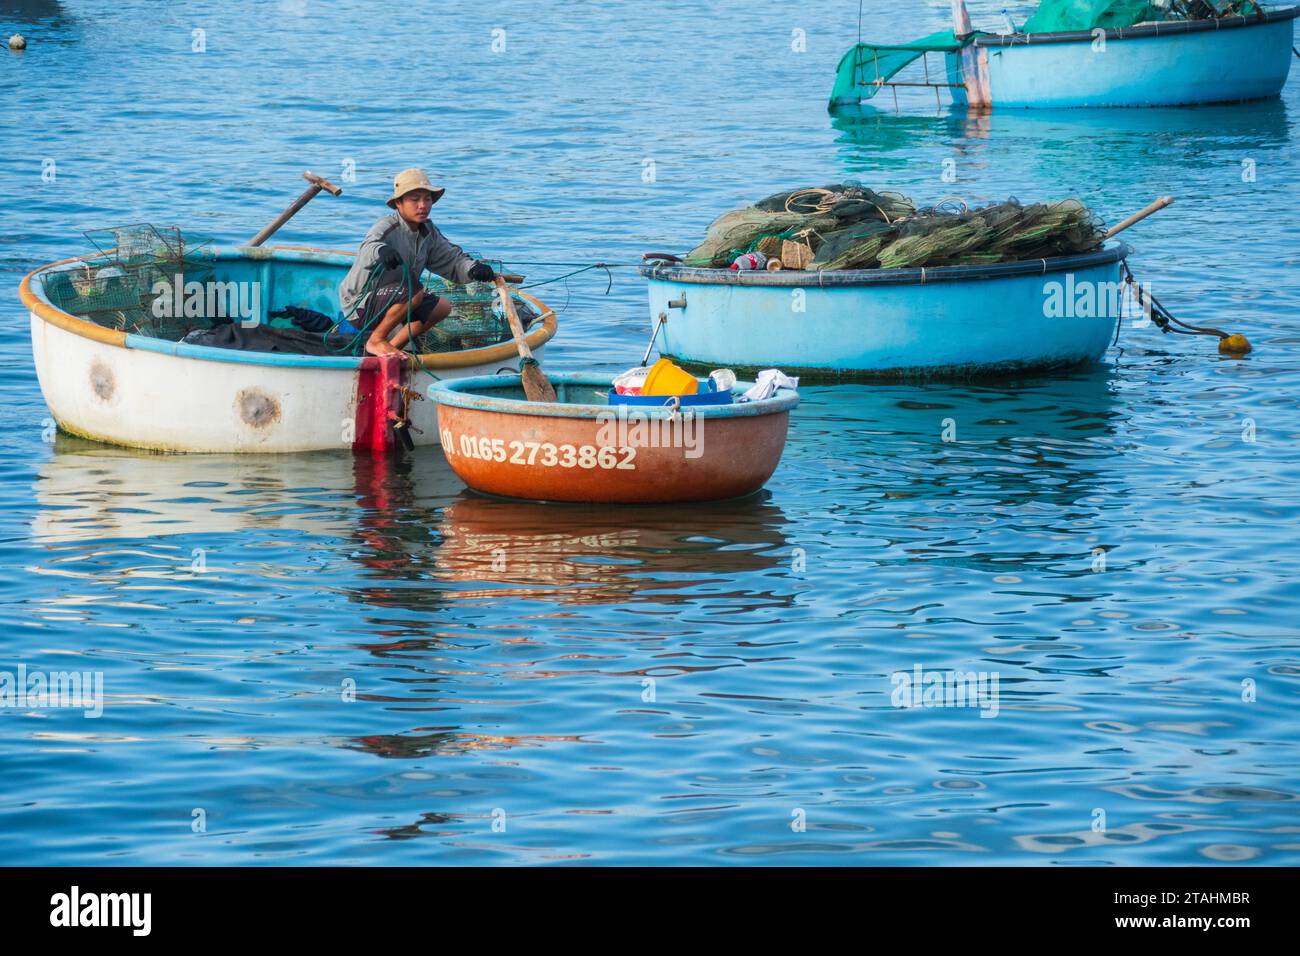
(794, 216)
(1058, 15)
(848, 226)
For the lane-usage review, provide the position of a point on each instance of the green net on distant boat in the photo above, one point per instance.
(847, 226)
(1054, 16)
(865, 69)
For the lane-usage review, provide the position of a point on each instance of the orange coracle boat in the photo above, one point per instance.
(582, 448)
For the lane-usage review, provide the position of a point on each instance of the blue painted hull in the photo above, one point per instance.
(1160, 65)
(942, 322)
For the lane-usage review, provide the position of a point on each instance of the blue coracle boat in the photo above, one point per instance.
(944, 321)
(1154, 63)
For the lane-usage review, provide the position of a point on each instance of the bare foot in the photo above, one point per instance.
(379, 346)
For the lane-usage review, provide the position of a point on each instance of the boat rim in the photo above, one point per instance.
(39, 306)
(458, 393)
(831, 278)
(1155, 29)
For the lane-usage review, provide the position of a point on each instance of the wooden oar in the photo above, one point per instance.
(537, 387)
(1141, 214)
(317, 184)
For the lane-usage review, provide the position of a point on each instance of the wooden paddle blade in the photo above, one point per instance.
(537, 386)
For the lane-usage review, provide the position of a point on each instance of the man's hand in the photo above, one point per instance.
(481, 272)
(389, 257)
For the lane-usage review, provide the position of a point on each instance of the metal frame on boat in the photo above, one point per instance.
(134, 390)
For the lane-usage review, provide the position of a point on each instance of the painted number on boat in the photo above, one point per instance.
(546, 454)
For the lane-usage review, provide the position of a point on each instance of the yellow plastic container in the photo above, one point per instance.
(665, 378)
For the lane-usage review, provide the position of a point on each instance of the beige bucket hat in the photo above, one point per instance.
(409, 180)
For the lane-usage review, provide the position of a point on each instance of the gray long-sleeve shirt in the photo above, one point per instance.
(425, 248)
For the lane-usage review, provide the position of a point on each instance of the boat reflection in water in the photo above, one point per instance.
(928, 472)
(88, 491)
(446, 743)
(1168, 144)
(571, 554)
(595, 554)
(414, 527)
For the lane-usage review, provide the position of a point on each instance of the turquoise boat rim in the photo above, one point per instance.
(33, 295)
(822, 278)
(459, 393)
(1156, 29)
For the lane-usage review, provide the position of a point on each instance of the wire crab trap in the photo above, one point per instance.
(144, 244)
(117, 285)
(476, 319)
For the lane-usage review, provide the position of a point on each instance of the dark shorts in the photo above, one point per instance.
(382, 298)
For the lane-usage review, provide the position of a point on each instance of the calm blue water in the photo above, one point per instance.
(503, 712)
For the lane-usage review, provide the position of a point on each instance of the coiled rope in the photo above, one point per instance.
(1231, 343)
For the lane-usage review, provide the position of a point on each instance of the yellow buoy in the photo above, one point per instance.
(1234, 344)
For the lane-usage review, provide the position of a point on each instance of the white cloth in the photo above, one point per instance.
(769, 380)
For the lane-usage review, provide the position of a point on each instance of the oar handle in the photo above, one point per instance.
(1138, 216)
(511, 277)
(317, 184)
(322, 182)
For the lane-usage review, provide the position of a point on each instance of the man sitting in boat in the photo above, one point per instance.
(406, 244)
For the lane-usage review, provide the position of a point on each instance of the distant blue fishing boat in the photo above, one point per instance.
(1116, 53)
(944, 321)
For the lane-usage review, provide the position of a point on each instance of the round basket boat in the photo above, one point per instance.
(944, 321)
(148, 391)
(1165, 63)
(582, 448)
(1219, 59)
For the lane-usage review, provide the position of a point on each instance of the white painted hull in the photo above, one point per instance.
(172, 403)
(144, 392)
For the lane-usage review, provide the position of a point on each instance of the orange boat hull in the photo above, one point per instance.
(594, 456)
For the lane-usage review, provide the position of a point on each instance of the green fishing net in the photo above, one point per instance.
(794, 214)
(1061, 15)
(999, 232)
(866, 66)
(884, 230)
